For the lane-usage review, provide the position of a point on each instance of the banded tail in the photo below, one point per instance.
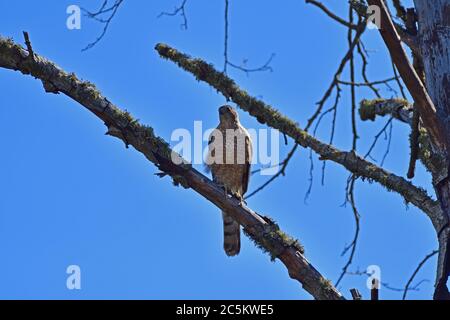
(231, 235)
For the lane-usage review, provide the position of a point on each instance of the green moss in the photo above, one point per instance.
(326, 282)
(154, 147)
(87, 84)
(127, 116)
(327, 286)
(425, 146)
(91, 89)
(270, 239)
(73, 78)
(434, 161)
(7, 43)
(368, 108)
(303, 135)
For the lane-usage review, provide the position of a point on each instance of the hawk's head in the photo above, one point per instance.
(228, 114)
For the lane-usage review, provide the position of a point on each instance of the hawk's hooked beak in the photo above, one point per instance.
(224, 109)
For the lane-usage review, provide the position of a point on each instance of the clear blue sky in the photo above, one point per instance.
(71, 195)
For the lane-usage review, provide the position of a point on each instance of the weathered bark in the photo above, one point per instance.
(431, 99)
(122, 125)
(434, 42)
(434, 36)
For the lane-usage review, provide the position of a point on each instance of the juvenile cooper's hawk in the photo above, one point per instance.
(229, 157)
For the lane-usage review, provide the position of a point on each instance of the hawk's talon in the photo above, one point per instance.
(240, 198)
(242, 202)
(225, 189)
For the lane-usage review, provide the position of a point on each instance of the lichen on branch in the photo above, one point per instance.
(432, 158)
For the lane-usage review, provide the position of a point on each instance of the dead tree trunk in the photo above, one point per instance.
(434, 43)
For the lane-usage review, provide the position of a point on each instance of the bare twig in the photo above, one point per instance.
(333, 16)
(98, 16)
(225, 50)
(350, 41)
(386, 285)
(333, 126)
(367, 84)
(310, 177)
(365, 63)
(421, 264)
(352, 245)
(265, 67)
(398, 80)
(377, 136)
(180, 10)
(332, 110)
(336, 77)
(351, 185)
(388, 145)
(29, 46)
(281, 172)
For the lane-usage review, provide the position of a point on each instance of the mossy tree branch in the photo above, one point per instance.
(266, 114)
(397, 108)
(432, 158)
(122, 125)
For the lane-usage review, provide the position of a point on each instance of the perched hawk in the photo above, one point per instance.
(229, 157)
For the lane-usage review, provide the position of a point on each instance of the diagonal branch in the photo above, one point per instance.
(268, 115)
(412, 81)
(122, 125)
